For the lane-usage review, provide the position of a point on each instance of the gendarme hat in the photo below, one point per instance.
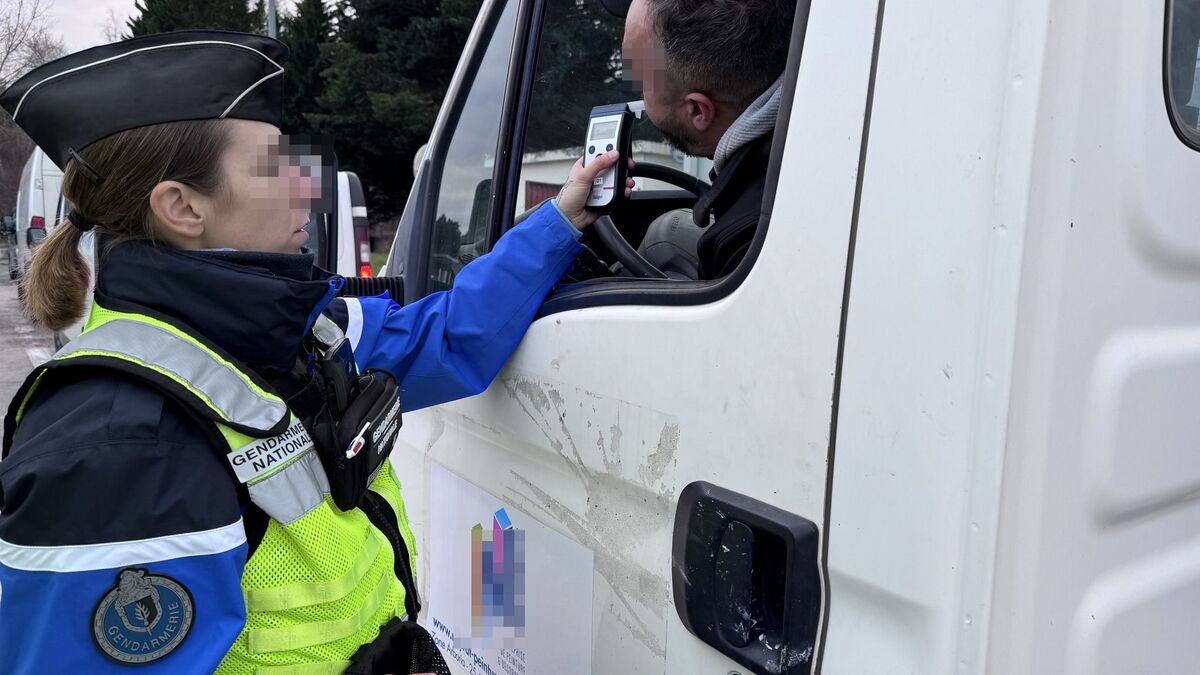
(75, 101)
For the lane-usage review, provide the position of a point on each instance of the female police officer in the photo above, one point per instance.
(199, 482)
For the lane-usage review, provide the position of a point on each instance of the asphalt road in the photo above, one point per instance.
(22, 344)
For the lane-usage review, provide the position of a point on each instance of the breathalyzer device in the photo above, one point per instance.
(610, 128)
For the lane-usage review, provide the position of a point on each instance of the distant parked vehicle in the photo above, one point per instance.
(8, 235)
(37, 197)
(354, 240)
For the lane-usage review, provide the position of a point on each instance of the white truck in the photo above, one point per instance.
(941, 420)
(37, 198)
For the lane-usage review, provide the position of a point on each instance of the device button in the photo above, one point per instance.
(609, 148)
(591, 149)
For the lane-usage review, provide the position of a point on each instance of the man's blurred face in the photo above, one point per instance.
(646, 65)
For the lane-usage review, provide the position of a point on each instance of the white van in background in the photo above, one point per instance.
(37, 196)
(347, 253)
(353, 241)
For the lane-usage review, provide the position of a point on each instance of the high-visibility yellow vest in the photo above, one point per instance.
(322, 581)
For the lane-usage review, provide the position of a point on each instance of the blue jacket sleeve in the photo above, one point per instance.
(121, 541)
(451, 344)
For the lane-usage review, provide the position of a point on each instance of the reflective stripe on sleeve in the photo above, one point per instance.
(89, 557)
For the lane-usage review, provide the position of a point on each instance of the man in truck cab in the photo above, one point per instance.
(711, 73)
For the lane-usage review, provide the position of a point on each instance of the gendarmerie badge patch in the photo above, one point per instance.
(143, 618)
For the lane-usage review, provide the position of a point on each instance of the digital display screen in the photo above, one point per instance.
(603, 130)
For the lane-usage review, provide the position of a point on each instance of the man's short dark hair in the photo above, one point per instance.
(732, 50)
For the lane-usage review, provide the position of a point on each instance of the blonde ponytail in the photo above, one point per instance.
(56, 283)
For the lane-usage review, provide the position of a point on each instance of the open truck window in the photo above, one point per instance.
(574, 73)
(578, 68)
(513, 124)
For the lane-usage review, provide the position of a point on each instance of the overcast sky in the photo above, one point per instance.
(80, 23)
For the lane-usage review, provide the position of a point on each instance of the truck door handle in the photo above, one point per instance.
(735, 584)
(746, 578)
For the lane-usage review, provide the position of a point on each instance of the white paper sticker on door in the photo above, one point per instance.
(507, 595)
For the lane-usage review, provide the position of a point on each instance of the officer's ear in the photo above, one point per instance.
(180, 212)
(700, 110)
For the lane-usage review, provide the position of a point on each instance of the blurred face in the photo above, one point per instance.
(667, 105)
(645, 62)
(271, 187)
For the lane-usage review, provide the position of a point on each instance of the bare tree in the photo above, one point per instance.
(113, 27)
(21, 22)
(41, 48)
(25, 43)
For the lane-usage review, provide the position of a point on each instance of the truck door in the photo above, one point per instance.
(644, 487)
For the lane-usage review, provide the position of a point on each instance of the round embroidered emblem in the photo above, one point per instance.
(143, 618)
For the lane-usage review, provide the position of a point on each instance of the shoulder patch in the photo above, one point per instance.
(268, 455)
(143, 617)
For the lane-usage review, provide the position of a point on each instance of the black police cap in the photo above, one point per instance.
(77, 100)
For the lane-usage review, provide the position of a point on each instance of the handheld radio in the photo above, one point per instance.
(610, 128)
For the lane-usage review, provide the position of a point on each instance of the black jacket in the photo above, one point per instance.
(736, 200)
(137, 465)
(148, 468)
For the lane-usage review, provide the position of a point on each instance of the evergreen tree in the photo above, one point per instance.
(258, 18)
(304, 33)
(162, 16)
(388, 71)
(370, 74)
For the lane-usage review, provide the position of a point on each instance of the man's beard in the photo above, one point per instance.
(677, 137)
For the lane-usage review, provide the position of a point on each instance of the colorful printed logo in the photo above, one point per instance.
(498, 579)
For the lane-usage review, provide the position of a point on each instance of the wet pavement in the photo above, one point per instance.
(22, 344)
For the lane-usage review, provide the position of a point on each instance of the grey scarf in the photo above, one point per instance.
(756, 120)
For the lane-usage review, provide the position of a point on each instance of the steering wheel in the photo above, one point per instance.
(627, 255)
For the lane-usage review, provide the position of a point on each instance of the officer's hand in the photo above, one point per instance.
(574, 195)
